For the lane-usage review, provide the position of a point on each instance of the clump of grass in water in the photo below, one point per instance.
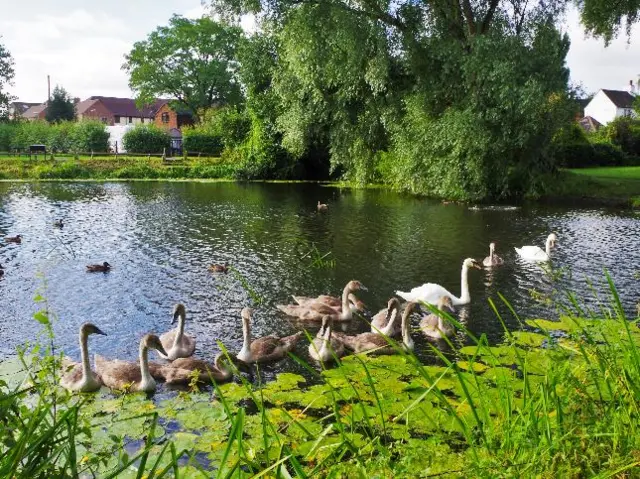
(319, 260)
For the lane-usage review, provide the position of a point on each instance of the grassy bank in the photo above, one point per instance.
(557, 399)
(614, 185)
(618, 186)
(122, 167)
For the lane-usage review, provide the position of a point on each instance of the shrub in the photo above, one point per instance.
(232, 125)
(146, 139)
(90, 136)
(60, 137)
(7, 132)
(624, 132)
(199, 139)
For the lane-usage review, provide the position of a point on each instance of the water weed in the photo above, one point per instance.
(558, 398)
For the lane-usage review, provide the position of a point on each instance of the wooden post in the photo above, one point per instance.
(164, 154)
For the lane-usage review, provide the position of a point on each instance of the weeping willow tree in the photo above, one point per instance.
(453, 98)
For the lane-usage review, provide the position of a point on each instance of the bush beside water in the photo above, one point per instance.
(556, 399)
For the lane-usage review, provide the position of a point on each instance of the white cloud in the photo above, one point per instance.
(83, 48)
(597, 66)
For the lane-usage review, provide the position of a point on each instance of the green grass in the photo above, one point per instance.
(618, 172)
(617, 185)
(111, 168)
(556, 399)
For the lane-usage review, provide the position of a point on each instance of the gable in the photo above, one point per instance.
(621, 99)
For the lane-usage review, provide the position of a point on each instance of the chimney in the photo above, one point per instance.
(632, 88)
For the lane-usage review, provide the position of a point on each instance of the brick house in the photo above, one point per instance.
(116, 111)
(18, 108)
(36, 112)
(171, 118)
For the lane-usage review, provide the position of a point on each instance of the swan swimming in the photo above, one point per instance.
(431, 292)
(535, 253)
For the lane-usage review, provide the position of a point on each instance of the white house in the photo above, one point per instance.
(116, 133)
(606, 105)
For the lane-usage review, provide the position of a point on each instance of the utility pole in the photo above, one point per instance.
(48, 88)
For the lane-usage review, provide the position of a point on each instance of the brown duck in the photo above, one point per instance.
(98, 268)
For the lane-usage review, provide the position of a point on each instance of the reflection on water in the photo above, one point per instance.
(160, 238)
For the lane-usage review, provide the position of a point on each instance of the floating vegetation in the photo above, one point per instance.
(559, 398)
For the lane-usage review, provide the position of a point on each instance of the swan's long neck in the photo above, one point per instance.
(547, 248)
(326, 341)
(465, 297)
(178, 339)
(245, 352)
(84, 356)
(145, 375)
(388, 329)
(220, 366)
(346, 307)
(491, 253)
(406, 333)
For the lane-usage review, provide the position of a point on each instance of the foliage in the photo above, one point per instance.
(109, 167)
(66, 136)
(349, 85)
(605, 19)
(60, 107)
(624, 132)
(230, 123)
(146, 139)
(6, 76)
(89, 136)
(192, 61)
(196, 139)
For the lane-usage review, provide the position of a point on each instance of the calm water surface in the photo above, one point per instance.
(160, 238)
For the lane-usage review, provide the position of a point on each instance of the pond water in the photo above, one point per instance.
(161, 236)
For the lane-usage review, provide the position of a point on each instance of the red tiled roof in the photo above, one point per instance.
(127, 106)
(34, 111)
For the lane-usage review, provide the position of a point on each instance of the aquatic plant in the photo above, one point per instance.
(557, 398)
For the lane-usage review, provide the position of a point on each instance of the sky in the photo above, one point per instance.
(83, 48)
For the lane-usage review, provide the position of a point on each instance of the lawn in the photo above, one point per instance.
(611, 185)
(619, 172)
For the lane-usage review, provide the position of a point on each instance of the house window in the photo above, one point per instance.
(165, 117)
(116, 119)
(130, 119)
(142, 120)
(104, 119)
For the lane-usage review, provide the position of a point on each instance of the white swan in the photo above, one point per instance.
(80, 377)
(431, 293)
(493, 259)
(175, 342)
(535, 253)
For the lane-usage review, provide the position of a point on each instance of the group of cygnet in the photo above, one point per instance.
(177, 347)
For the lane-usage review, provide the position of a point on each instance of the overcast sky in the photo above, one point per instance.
(82, 48)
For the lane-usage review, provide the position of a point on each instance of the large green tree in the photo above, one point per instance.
(60, 107)
(455, 98)
(6, 76)
(193, 61)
